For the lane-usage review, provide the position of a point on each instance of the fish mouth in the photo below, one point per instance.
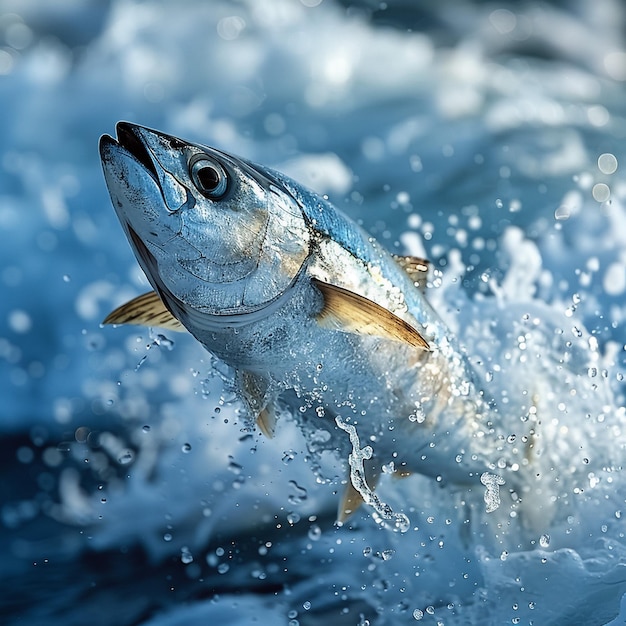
(129, 138)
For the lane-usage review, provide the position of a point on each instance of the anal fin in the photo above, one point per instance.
(266, 421)
(255, 393)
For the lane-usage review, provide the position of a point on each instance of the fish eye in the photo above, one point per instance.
(209, 177)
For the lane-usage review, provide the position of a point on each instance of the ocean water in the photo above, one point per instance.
(488, 137)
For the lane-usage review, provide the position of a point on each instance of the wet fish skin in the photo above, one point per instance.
(305, 307)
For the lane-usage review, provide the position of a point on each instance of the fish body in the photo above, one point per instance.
(307, 309)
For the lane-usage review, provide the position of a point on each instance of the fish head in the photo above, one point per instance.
(211, 231)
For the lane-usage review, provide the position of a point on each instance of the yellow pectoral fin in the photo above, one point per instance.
(145, 310)
(350, 312)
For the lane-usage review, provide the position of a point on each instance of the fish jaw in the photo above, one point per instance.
(138, 203)
(272, 323)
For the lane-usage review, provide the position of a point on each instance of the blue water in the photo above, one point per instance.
(467, 132)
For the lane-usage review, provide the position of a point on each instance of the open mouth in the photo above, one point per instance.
(128, 138)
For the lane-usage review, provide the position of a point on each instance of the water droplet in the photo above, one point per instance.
(389, 468)
(66, 278)
(315, 532)
(186, 448)
(601, 192)
(544, 541)
(222, 568)
(418, 614)
(288, 456)
(19, 321)
(607, 163)
(164, 342)
(300, 493)
(125, 457)
(234, 467)
(387, 554)
(562, 213)
(185, 556)
(306, 605)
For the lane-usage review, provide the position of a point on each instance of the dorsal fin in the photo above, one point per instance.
(415, 267)
(350, 312)
(145, 310)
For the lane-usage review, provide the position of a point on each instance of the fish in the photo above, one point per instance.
(312, 316)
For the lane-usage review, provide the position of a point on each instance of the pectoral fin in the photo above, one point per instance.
(349, 312)
(415, 267)
(254, 391)
(145, 310)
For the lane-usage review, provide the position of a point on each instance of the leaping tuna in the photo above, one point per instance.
(307, 309)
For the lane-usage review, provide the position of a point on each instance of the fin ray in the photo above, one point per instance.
(350, 312)
(145, 310)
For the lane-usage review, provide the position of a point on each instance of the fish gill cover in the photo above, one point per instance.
(487, 137)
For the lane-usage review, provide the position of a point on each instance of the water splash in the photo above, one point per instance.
(399, 521)
(492, 494)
